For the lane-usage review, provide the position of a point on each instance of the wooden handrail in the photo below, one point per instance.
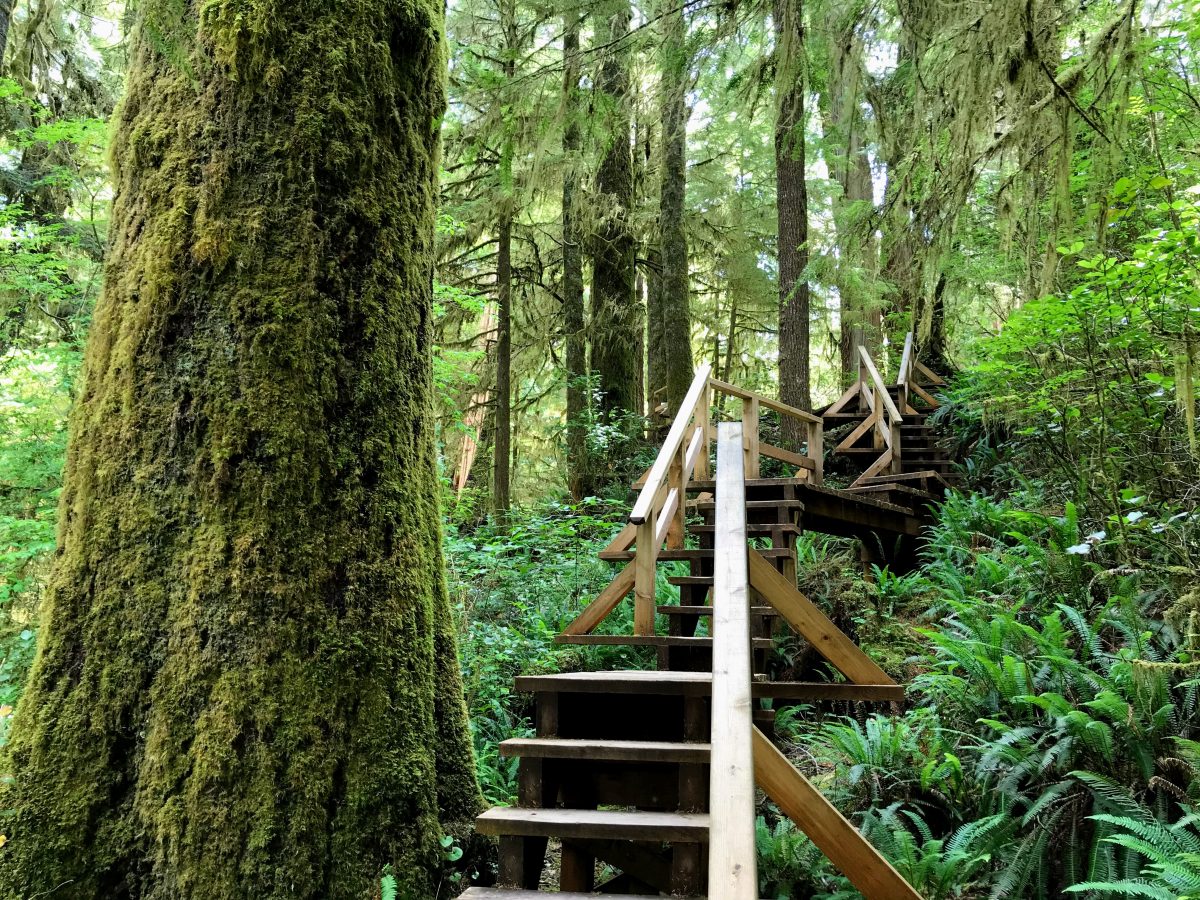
(671, 446)
(732, 855)
(880, 387)
(733, 390)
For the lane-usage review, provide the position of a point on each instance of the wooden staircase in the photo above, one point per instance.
(642, 782)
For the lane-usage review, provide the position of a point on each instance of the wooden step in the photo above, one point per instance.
(678, 555)
(620, 751)
(480, 893)
(675, 609)
(696, 684)
(599, 824)
(649, 640)
(752, 504)
(757, 530)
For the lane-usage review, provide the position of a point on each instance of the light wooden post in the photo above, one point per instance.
(703, 469)
(816, 450)
(862, 380)
(896, 446)
(644, 572)
(750, 414)
(732, 856)
(677, 480)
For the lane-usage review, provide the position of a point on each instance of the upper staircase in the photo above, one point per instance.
(642, 783)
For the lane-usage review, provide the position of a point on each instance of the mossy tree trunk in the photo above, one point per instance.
(674, 289)
(792, 203)
(616, 322)
(578, 463)
(246, 682)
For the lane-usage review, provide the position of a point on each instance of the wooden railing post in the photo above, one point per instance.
(645, 567)
(862, 378)
(678, 482)
(732, 856)
(816, 451)
(750, 416)
(703, 469)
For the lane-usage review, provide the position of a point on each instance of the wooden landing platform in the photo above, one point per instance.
(831, 511)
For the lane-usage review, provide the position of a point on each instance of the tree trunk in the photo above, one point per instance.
(615, 319)
(578, 468)
(656, 347)
(676, 324)
(846, 155)
(6, 8)
(246, 684)
(501, 463)
(793, 214)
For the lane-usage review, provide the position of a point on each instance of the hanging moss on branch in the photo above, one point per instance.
(247, 683)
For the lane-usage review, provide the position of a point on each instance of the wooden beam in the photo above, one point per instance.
(732, 859)
(597, 611)
(933, 376)
(880, 387)
(793, 459)
(778, 406)
(645, 572)
(840, 402)
(623, 541)
(867, 868)
(813, 625)
(670, 448)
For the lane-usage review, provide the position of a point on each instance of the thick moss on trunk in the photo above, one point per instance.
(616, 319)
(246, 685)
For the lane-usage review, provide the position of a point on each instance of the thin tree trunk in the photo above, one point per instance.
(6, 8)
(247, 684)
(578, 468)
(792, 200)
(615, 319)
(676, 324)
(501, 476)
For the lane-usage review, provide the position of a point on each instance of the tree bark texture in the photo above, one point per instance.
(246, 682)
(578, 469)
(792, 199)
(616, 320)
(676, 321)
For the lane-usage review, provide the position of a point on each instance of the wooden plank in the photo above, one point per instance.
(777, 405)
(883, 462)
(620, 751)
(666, 519)
(816, 450)
(834, 692)
(645, 573)
(482, 893)
(732, 859)
(636, 825)
(597, 611)
(623, 541)
(813, 625)
(933, 376)
(867, 869)
(906, 361)
(852, 438)
(648, 640)
(792, 459)
(880, 386)
(670, 447)
(749, 439)
(695, 684)
(839, 404)
(925, 395)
